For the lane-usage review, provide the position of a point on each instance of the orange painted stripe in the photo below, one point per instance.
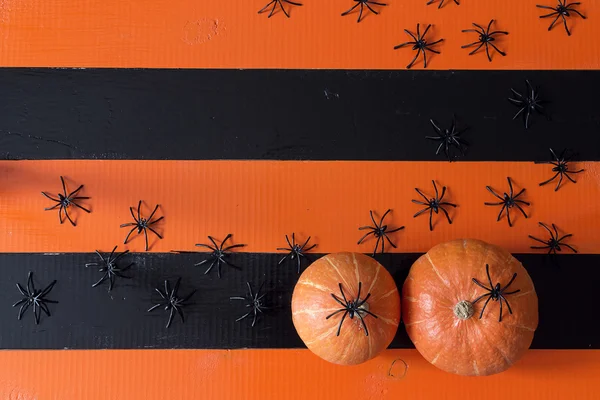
(260, 201)
(289, 374)
(231, 34)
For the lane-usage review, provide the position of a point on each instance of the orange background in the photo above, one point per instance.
(261, 201)
(231, 34)
(283, 374)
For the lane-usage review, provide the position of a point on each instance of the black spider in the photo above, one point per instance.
(142, 224)
(65, 200)
(275, 3)
(434, 204)
(255, 302)
(553, 244)
(508, 201)
(486, 38)
(562, 10)
(448, 138)
(34, 297)
(496, 293)
(528, 103)
(362, 4)
(419, 44)
(110, 268)
(172, 302)
(561, 167)
(352, 307)
(295, 250)
(442, 3)
(218, 254)
(380, 231)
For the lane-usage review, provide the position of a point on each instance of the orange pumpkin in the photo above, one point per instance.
(470, 308)
(346, 308)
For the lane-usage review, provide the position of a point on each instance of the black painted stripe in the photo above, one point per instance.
(276, 114)
(93, 318)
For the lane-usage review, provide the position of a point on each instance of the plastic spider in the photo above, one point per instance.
(448, 138)
(528, 103)
(295, 250)
(561, 167)
(508, 201)
(419, 44)
(562, 10)
(34, 297)
(172, 302)
(255, 302)
(65, 200)
(380, 231)
(218, 254)
(486, 38)
(553, 244)
(142, 224)
(352, 308)
(496, 293)
(442, 3)
(434, 205)
(275, 3)
(362, 4)
(110, 268)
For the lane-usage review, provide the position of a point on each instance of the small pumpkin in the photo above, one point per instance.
(470, 308)
(346, 308)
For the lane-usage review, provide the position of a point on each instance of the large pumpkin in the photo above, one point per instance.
(470, 308)
(346, 308)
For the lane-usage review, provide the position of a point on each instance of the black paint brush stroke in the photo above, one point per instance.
(92, 318)
(289, 114)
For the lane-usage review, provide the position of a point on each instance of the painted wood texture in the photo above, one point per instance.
(221, 34)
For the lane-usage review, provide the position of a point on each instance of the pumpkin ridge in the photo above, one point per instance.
(415, 322)
(314, 311)
(323, 335)
(356, 268)
(387, 320)
(314, 285)
(520, 326)
(374, 278)
(447, 284)
(338, 272)
(475, 368)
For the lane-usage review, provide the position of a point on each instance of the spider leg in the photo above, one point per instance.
(484, 306)
(570, 247)
(53, 207)
(62, 180)
(439, 148)
(508, 216)
(518, 194)
(565, 24)
(577, 12)
(283, 259)
(255, 316)
(476, 50)
(421, 212)
(21, 290)
(138, 211)
(153, 212)
(20, 302)
(299, 263)
(430, 217)
(550, 180)
(487, 51)
(498, 33)
(206, 246)
(437, 196)
(265, 7)
(360, 12)
(434, 43)
(363, 301)
(497, 49)
(309, 248)
(377, 245)
(507, 304)
(500, 317)
(50, 197)
(389, 241)
(520, 209)
(243, 316)
(425, 66)
(414, 59)
(171, 314)
(395, 230)
(343, 294)
(44, 308)
(292, 3)
(156, 233)
(154, 307)
(384, 215)
(74, 192)
(489, 26)
(376, 3)
(370, 8)
(83, 208)
(553, 22)
(422, 195)
(180, 312)
(436, 128)
(341, 322)
(419, 202)
(519, 113)
(22, 310)
(546, 7)
(500, 213)
(104, 277)
(133, 215)
(447, 216)
(548, 229)
(481, 30)
(338, 300)
(36, 313)
(494, 193)
(475, 281)
(68, 216)
(509, 283)
(425, 32)
(538, 240)
(365, 236)
(363, 323)
(569, 178)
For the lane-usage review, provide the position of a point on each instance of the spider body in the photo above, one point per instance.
(362, 4)
(434, 204)
(34, 298)
(352, 308)
(142, 224)
(171, 301)
(508, 201)
(254, 301)
(495, 292)
(218, 254)
(528, 103)
(441, 3)
(448, 137)
(379, 231)
(561, 169)
(562, 10)
(64, 201)
(275, 3)
(486, 38)
(420, 44)
(110, 268)
(554, 242)
(296, 251)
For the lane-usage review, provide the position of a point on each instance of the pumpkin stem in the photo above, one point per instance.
(464, 310)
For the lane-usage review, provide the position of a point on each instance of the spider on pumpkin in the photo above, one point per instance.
(65, 200)
(554, 242)
(142, 224)
(295, 250)
(380, 231)
(435, 204)
(561, 168)
(352, 308)
(362, 4)
(420, 45)
(496, 293)
(486, 38)
(254, 301)
(562, 10)
(275, 3)
(508, 201)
